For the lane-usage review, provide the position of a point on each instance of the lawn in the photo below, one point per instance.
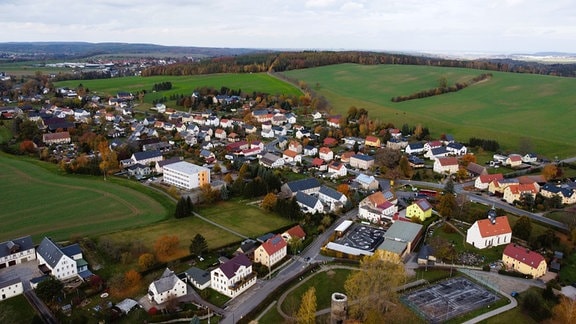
(502, 108)
(39, 202)
(17, 310)
(247, 82)
(326, 283)
(245, 219)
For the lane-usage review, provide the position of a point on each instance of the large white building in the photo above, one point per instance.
(233, 277)
(488, 232)
(186, 175)
(166, 288)
(61, 262)
(17, 251)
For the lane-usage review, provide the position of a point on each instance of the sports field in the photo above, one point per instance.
(247, 82)
(508, 107)
(40, 203)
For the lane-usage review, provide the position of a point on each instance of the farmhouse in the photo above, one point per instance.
(523, 260)
(166, 288)
(475, 169)
(186, 175)
(488, 232)
(271, 251)
(61, 262)
(233, 277)
(16, 251)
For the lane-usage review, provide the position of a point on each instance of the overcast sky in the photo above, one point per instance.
(438, 26)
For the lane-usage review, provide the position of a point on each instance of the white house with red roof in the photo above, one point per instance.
(432, 145)
(446, 165)
(483, 181)
(233, 277)
(333, 122)
(488, 232)
(521, 259)
(296, 232)
(377, 208)
(326, 154)
(514, 160)
(514, 192)
(271, 251)
(337, 169)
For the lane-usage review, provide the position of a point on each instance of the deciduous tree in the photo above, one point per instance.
(146, 260)
(523, 228)
(166, 246)
(447, 205)
(565, 311)
(374, 286)
(307, 311)
(550, 171)
(132, 278)
(269, 201)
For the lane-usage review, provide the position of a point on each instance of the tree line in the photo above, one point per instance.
(442, 89)
(162, 86)
(286, 61)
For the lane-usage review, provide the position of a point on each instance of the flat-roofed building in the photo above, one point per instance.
(186, 175)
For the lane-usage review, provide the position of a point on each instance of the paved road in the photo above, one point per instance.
(40, 307)
(246, 302)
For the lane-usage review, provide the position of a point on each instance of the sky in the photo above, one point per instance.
(429, 26)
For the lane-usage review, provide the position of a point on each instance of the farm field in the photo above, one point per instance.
(508, 108)
(41, 203)
(259, 82)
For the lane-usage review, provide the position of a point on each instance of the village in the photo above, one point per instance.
(387, 210)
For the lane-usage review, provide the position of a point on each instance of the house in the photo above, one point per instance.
(310, 150)
(270, 160)
(567, 194)
(513, 160)
(138, 170)
(233, 277)
(516, 191)
(529, 158)
(326, 154)
(291, 156)
(166, 288)
(220, 134)
(61, 262)
(415, 162)
(401, 238)
(319, 164)
(372, 141)
(308, 203)
(17, 251)
(332, 198)
(233, 137)
(488, 232)
(414, 148)
(247, 247)
(521, 259)
(198, 278)
(160, 146)
(147, 157)
(186, 175)
(456, 148)
(301, 133)
(330, 142)
(377, 208)
(397, 143)
(333, 121)
(498, 186)
(432, 145)
(475, 169)
(11, 288)
(337, 169)
(295, 146)
(279, 131)
(437, 152)
(271, 251)
(420, 209)
(294, 233)
(483, 181)
(308, 186)
(361, 161)
(445, 165)
(345, 157)
(56, 138)
(366, 182)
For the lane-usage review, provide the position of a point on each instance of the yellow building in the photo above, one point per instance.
(420, 209)
(523, 260)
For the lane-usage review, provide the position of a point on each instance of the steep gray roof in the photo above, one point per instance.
(16, 245)
(330, 192)
(71, 250)
(50, 252)
(198, 275)
(306, 199)
(166, 282)
(139, 156)
(304, 184)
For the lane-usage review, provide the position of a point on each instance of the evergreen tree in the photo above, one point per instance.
(198, 245)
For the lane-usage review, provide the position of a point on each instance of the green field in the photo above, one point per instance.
(17, 310)
(248, 83)
(506, 108)
(42, 203)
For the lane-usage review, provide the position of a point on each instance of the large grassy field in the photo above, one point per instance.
(247, 82)
(41, 203)
(508, 107)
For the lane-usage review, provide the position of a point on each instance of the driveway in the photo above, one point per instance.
(25, 271)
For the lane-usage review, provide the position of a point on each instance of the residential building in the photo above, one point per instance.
(233, 277)
(372, 141)
(446, 165)
(168, 287)
(296, 232)
(147, 157)
(420, 209)
(488, 232)
(56, 138)
(198, 278)
(186, 175)
(160, 164)
(138, 170)
(11, 288)
(308, 203)
(432, 145)
(17, 251)
(414, 148)
(456, 148)
(567, 194)
(61, 262)
(483, 181)
(498, 186)
(516, 191)
(332, 198)
(437, 152)
(291, 156)
(270, 160)
(326, 154)
(361, 161)
(521, 259)
(271, 251)
(337, 169)
(377, 208)
(475, 169)
(295, 146)
(529, 158)
(366, 182)
(308, 186)
(514, 160)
